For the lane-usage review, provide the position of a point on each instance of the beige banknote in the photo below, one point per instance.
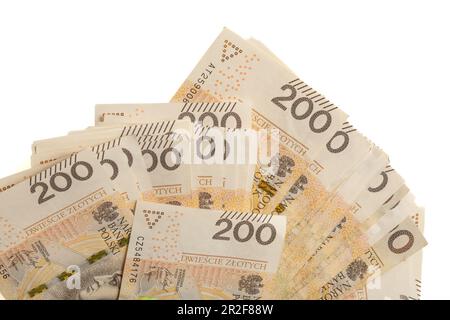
(394, 239)
(186, 253)
(120, 157)
(67, 221)
(403, 282)
(380, 193)
(344, 242)
(385, 190)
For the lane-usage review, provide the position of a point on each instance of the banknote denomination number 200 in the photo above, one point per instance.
(315, 125)
(247, 234)
(65, 181)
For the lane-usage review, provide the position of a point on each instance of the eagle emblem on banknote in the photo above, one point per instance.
(284, 164)
(357, 268)
(105, 212)
(251, 284)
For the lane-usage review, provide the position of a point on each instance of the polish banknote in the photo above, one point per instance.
(232, 255)
(66, 221)
(402, 282)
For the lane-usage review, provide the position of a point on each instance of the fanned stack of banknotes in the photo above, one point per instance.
(248, 185)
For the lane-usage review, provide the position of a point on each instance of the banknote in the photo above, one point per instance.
(65, 221)
(398, 245)
(403, 282)
(369, 206)
(231, 255)
(121, 157)
(380, 193)
(394, 239)
(343, 239)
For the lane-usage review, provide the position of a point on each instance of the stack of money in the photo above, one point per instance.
(248, 185)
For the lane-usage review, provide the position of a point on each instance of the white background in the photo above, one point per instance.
(386, 63)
